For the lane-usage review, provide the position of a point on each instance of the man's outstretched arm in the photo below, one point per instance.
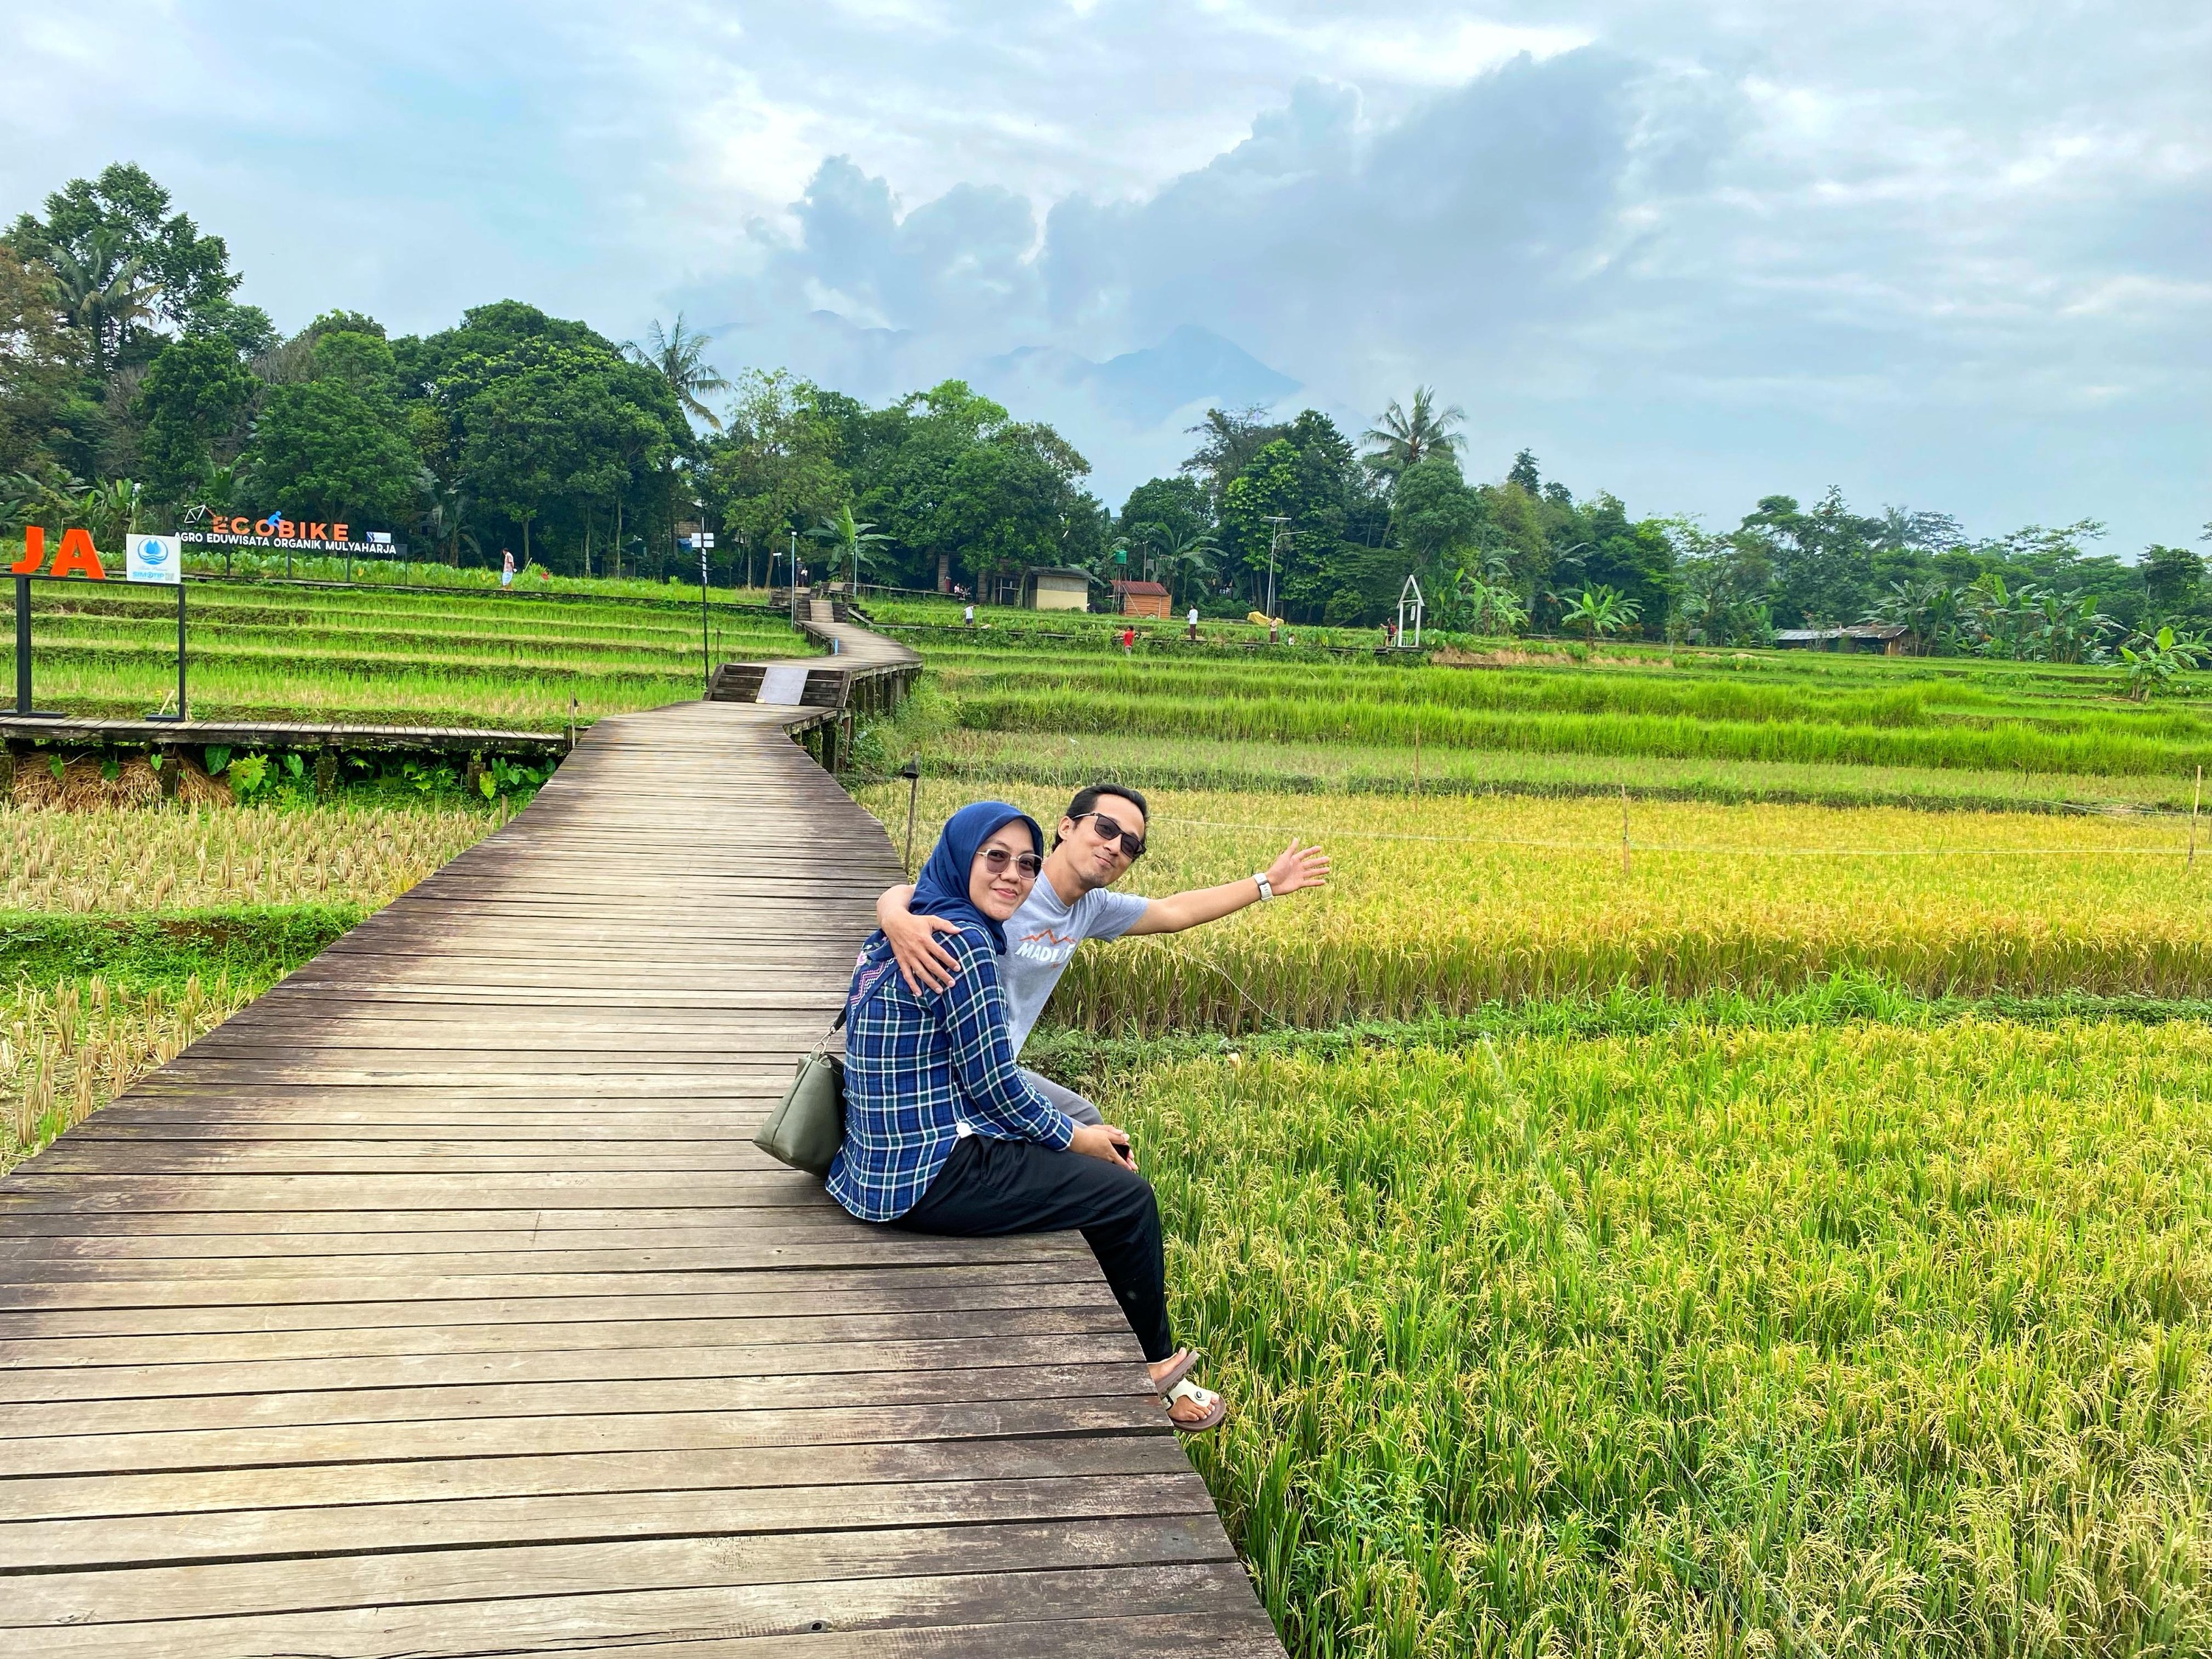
(1298, 867)
(923, 964)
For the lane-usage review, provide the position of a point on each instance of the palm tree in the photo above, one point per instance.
(104, 292)
(676, 356)
(1403, 439)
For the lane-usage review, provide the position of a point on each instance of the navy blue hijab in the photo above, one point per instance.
(941, 889)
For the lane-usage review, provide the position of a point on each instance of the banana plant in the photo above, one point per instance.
(1600, 610)
(2154, 661)
(853, 541)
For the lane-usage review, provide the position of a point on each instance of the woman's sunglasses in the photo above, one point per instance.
(995, 859)
(1110, 828)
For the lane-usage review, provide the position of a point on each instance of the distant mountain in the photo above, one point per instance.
(1191, 365)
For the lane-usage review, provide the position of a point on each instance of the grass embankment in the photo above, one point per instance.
(126, 933)
(1876, 1340)
(1443, 906)
(467, 657)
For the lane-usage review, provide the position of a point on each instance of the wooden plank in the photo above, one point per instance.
(439, 1303)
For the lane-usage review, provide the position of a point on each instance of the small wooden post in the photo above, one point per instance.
(2195, 801)
(1624, 828)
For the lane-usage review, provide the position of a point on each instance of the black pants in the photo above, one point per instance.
(989, 1188)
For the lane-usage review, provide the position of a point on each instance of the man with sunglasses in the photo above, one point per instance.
(1101, 836)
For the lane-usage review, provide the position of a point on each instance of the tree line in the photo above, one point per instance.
(135, 386)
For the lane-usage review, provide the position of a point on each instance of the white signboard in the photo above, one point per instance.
(155, 559)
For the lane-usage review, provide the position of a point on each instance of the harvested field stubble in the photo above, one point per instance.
(1442, 906)
(67, 1049)
(1876, 1340)
(163, 860)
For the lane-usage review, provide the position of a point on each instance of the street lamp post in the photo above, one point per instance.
(1274, 541)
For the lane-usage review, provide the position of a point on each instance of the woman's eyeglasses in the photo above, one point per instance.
(995, 859)
(1133, 844)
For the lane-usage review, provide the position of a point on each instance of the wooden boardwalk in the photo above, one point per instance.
(438, 1303)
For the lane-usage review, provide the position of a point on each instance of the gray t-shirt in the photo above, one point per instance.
(1042, 935)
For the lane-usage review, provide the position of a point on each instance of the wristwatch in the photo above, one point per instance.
(1265, 891)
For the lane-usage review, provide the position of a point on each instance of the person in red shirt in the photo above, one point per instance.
(1128, 639)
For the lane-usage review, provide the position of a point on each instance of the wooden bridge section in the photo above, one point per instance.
(438, 1303)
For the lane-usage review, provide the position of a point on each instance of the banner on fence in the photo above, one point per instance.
(154, 559)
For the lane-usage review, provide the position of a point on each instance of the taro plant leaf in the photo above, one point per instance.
(248, 772)
(487, 785)
(217, 758)
(295, 766)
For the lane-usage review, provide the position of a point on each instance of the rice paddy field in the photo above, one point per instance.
(1721, 1170)
(381, 653)
(124, 933)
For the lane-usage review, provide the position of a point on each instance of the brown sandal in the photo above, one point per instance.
(1216, 1408)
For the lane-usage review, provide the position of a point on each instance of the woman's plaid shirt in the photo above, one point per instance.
(922, 1071)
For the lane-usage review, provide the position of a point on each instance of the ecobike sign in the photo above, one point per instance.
(275, 530)
(155, 559)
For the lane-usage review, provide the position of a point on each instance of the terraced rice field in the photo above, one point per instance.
(1784, 1235)
(364, 654)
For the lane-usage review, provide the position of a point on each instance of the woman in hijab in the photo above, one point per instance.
(943, 1134)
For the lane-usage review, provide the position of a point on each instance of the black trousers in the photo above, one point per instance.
(989, 1188)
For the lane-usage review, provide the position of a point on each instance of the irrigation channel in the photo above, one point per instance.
(438, 1303)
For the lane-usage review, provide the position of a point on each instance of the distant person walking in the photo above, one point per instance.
(967, 616)
(1128, 639)
(507, 567)
(1191, 622)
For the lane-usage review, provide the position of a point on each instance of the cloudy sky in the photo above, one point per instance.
(1952, 256)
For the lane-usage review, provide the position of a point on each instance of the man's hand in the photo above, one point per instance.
(923, 964)
(1299, 866)
(1103, 1140)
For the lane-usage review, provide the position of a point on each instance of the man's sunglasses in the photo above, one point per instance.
(1109, 829)
(995, 859)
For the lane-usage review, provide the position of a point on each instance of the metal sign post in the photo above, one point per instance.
(23, 652)
(704, 542)
(159, 559)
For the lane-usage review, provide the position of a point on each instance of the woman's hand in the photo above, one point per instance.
(1103, 1140)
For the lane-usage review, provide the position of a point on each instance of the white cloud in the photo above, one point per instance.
(1950, 253)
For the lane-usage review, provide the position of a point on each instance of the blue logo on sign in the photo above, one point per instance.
(152, 552)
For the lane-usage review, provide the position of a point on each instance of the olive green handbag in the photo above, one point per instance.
(808, 1125)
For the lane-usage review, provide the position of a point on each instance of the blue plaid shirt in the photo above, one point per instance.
(922, 1071)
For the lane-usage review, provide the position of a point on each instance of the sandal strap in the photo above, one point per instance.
(1203, 1399)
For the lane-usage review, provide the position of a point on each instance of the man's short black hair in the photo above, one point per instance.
(1086, 801)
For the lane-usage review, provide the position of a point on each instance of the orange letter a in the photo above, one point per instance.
(34, 551)
(78, 555)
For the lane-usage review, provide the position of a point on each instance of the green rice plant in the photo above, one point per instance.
(984, 759)
(1870, 1340)
(392, 657)
(1440, 906)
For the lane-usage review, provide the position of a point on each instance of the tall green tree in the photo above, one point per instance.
(132, 267)
(192, 407)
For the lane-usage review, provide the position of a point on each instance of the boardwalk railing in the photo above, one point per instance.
(438, 1303)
